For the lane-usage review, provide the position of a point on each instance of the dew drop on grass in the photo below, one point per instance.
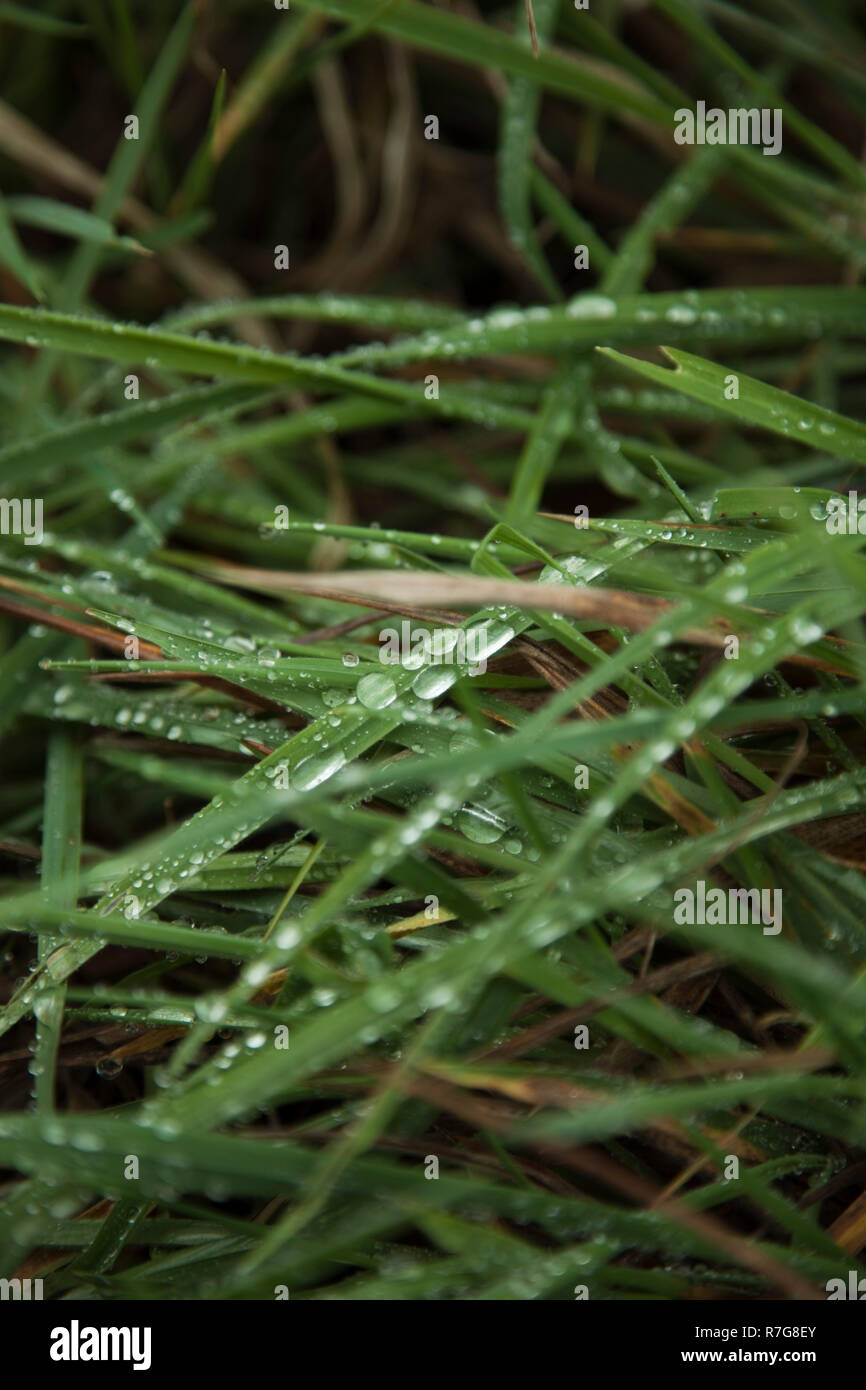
(210, 1010)
(376, 691)
(591, 306)
(805, 631)
(434, 681)
(382, 998)
(680, 313)
(310, 772)
(109, 1067)
(438, 997)
(481, 825)
(286, 938)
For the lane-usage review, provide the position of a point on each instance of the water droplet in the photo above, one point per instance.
(434, 681)
(376, 691)
(109, 1067)
(591, 306)
(310, 772)
(480, 824)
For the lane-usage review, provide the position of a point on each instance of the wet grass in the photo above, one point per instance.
(365, 980)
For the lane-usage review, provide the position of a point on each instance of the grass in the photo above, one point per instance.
(364, 981)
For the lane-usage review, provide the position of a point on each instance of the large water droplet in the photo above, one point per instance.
(376, 690)
(433, 681)
(481, 825)
(310, 772)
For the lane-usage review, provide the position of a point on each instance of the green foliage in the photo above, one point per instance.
(287, 923)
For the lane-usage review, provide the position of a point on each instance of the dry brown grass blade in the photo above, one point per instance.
(148, 651)
(404, 589)
(849, 1230)
(114, 640)
(691, 819)
(530, 18)
(616, 1175)
(561, 1023)
(615, 607)
(439, 1088)
(258, 84)
(842, 838)
(774, 1060)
